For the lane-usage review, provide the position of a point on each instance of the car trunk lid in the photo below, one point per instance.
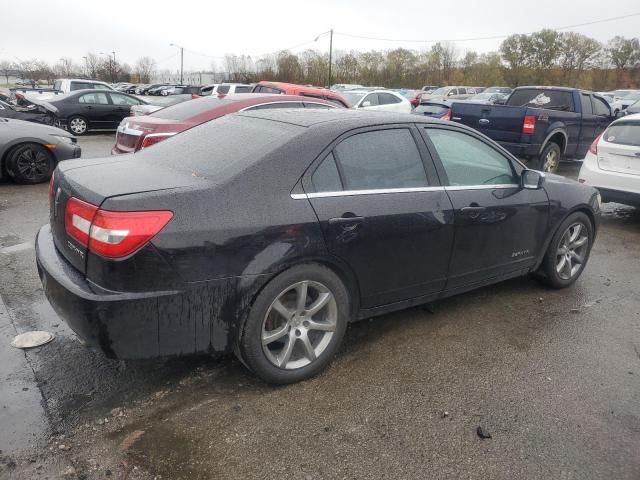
(619, 148)
(97, 181)
(498, 122)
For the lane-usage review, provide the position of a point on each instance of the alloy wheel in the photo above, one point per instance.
(32, 165)
(299, 325)
(78, 126)
(551, 161)
(572, 251)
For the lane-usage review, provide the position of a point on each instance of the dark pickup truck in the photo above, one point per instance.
(540, 124)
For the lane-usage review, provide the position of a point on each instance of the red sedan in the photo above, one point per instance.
(136, 133)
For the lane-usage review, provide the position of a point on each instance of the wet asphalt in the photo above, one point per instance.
(552, 376)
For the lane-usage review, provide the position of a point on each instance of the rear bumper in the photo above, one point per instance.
(202, 318)
(613, 186)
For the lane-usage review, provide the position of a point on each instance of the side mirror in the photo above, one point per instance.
(450, 93)
(365, 104)
(532, 179)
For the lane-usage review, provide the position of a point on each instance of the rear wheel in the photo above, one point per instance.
(549, 159)
(568, 252)
(78, 125)
(296, 325)
(30, 163)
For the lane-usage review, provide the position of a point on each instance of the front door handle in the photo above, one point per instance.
(346, 220)
(472, 211)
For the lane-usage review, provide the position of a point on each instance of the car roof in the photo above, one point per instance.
(355, 118)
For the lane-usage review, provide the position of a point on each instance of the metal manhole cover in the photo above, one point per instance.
(31, 339)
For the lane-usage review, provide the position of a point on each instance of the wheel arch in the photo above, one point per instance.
(557, 136)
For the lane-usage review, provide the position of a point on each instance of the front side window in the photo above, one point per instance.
(469, 161)
(381, 159)
(123, 100)
(372, 98)
(601, 107)
(94, 98)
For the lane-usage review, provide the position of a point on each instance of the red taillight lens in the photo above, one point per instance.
(112, 234)
(529, 125)
(594, 146)
(154, 138)
(78, 216)
(446, 116)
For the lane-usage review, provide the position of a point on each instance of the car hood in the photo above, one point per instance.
(24, 128)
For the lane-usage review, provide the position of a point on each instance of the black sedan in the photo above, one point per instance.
(269, 247)
(85, 110)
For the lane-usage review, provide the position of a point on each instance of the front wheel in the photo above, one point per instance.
(78, 125)
(568, 252)
(30, 163)
(549, 159)
(296, 325)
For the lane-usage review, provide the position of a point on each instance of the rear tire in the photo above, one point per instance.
(549, 159)
(295, 325)
(30, 163)
(568, 252)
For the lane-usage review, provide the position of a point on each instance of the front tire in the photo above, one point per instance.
(78, 125)
(568, 252)
(30, 163)
(296, 325)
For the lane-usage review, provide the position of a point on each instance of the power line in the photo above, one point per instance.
(493, 37)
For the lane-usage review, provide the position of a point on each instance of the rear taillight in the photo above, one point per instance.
(529, 125)
(51, 189)
(112, 234)
(446, 116)
(154, 138)
(594, 146)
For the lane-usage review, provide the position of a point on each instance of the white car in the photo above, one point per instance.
(613, 162)
(384, 100)
(225, 89)
(622, 103)
(65, 85)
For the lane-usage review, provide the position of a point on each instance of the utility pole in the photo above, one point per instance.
(181, 60)
(330, 55)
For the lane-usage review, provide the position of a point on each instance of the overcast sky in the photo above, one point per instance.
(50, 29)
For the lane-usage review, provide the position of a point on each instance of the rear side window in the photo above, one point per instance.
(94, 98)
(624, 133)
(586, 104)
(326, 177)
(222, 89)
(387, 99)
(538, 98)
(381, 159)
(190, 108)
(469, 161)
(601, 107)
(242, 89)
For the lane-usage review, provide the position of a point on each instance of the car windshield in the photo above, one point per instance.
(440, 92)
(190, 108)
(353, 97)
(624, 133)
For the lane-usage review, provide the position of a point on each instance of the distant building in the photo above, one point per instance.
(189, 78)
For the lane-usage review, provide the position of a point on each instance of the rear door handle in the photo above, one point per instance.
(345, 220)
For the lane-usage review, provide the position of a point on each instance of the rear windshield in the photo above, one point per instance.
(222, 149)
(189, 109)
(432, 109)
(624, 133)
(534, 98)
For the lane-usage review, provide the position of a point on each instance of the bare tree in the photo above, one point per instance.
(144, 69)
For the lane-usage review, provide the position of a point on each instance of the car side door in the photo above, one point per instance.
(500, 227)
(95, 107)
(382, 212)
(589, 126)
(121, 107)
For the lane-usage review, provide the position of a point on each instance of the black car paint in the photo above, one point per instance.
(100, 116)
(189, 289)
(572, 130)
(35, 115)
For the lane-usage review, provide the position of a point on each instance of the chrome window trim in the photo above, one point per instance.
(349, 193)
(278, 102)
